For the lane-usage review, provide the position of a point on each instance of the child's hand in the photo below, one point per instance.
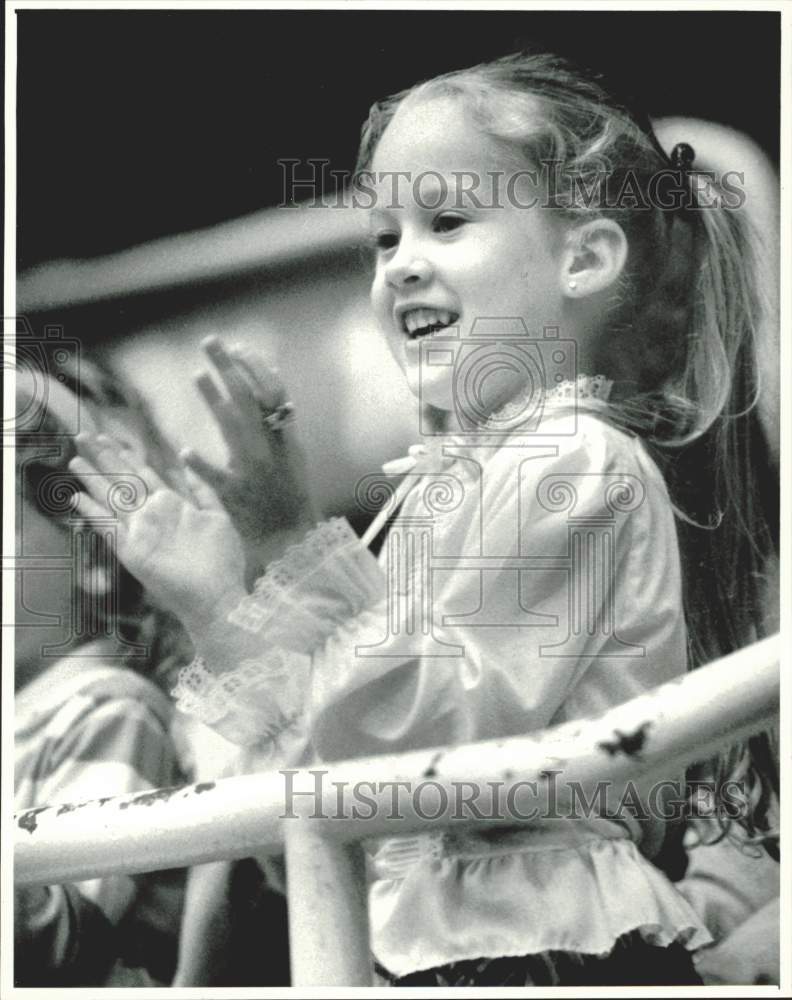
(264, 486)
(187, 555)
(749, 955)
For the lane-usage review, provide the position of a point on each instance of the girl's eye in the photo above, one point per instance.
(385, 240)
(447, 223)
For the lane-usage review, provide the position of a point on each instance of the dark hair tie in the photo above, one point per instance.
(681, 160)
(682, 157)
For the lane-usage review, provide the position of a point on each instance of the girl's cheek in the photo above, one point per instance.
(379, 295)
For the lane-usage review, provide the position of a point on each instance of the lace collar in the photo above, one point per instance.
(527, 404)
(522, 410)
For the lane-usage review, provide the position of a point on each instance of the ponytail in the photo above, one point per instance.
(718, 475)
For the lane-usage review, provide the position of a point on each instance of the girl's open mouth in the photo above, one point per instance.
(423, 321)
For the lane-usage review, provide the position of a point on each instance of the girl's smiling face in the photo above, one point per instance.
(446, 257)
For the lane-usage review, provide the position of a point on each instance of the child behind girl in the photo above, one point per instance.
(323, 660)
(90, 719)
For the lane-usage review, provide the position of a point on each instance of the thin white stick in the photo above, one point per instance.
(386, 513)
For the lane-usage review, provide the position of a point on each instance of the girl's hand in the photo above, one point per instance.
(186, 554)
(264, 486)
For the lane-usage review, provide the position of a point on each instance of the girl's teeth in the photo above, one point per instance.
(419, 319)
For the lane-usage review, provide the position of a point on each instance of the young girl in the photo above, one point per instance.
(545, 278)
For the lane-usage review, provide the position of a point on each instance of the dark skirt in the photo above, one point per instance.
(632, 962)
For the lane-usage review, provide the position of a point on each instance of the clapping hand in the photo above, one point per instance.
(264, 484)
(185, 552)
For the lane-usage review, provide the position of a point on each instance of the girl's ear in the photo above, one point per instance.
(593, 259)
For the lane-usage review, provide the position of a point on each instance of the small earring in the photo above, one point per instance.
(572, 283)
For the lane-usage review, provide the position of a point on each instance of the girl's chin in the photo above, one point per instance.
(431, 390)
(439, 388)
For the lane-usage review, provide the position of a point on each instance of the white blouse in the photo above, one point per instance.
(528, 579)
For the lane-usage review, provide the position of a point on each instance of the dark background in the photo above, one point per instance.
(136, 124)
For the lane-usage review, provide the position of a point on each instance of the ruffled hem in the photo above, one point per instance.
(652, 934)
(454, 909)
(318, 584)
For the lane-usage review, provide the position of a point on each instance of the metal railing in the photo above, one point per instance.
(310, 813)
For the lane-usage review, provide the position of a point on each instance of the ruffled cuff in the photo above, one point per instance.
(317, 585)
(253, 703)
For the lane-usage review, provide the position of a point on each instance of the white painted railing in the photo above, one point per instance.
(309, 812)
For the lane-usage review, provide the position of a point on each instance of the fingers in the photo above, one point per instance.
(270, 393)
(224, 413)
(268, 388)
(239, 425)
(88, 508)
(92, 503)
(120, 460)
(95, 483)
(204, 481)
(103, 453)
(237, 413)
(254, 390)
(235, 382)
(93, 513)
(88, 447)
(101, 462)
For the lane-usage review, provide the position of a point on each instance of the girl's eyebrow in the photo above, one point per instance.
(428, 191)
(460, 189)
(401, 189)
(377, 215)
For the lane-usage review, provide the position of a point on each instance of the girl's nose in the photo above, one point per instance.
(407, 270)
